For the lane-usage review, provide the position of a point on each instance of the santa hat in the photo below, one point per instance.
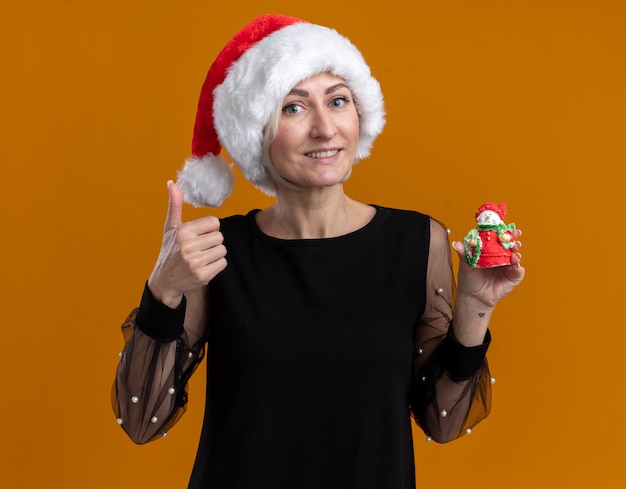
(499, 209)
(248, 80)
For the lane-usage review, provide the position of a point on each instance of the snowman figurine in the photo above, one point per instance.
(489, 243)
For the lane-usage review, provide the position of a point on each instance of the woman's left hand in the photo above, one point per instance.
(489, 285)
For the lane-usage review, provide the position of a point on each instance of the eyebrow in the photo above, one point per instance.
(305, 93)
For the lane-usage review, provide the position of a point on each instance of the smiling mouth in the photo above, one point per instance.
(323, 154)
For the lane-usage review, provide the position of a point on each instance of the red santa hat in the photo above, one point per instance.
(499, 209)
(245, 84)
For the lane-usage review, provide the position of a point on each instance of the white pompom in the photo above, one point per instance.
(206, 181)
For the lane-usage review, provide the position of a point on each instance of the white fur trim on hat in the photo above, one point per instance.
(206, 181)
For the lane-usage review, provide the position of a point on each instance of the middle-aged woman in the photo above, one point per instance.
(326, 321)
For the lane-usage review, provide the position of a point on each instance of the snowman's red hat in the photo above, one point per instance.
(248, 80)
(499, 209)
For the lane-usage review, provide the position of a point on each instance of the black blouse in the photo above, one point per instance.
(318, 351)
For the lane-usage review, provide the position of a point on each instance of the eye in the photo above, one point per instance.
(291, 109)
(339, 101)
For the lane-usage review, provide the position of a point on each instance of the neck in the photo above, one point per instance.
(325, 213)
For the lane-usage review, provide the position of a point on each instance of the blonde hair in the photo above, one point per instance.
(269, 134)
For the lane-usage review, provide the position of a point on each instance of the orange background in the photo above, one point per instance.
(518, 101)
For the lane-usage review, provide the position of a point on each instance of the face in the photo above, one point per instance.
(318, 133)
(489, 217)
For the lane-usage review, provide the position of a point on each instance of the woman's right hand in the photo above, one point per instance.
(192, 253)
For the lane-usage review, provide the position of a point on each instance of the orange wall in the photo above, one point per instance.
(520, 102)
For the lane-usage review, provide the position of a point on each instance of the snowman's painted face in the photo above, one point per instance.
(489, 217)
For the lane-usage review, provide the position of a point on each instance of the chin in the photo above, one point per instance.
(323, 178)
(330, 182)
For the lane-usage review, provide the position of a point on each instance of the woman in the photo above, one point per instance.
(327, 322)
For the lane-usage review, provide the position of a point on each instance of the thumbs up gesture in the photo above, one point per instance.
(192, 253)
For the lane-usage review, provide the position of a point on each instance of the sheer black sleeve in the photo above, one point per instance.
(150, 391)
(451, 388)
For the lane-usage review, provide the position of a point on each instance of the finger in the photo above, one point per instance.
(194, 246)
(212, 269)
(210, 240)
(203, 225)
(199, 234)
(206, 269)
(215, 254)
(518, 270)
(200, 259)
(458, 247)
(174, 207)
(516, 246)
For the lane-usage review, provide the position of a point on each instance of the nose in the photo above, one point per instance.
(322, 125)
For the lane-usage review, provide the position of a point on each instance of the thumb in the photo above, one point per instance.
(174, 207)
(456, 246)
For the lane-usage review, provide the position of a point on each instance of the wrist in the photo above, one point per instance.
(471, 320)
(161, 294)
(473, 303)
